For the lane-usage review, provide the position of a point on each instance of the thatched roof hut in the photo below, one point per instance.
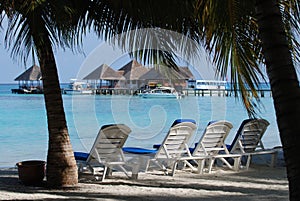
(166, 76)
(104, 72)
(164, 73)
(31, 74)
(186, 73)
(153, 74)
(30, 81)
(133, 70)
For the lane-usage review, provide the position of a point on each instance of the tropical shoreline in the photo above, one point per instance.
(258, 183)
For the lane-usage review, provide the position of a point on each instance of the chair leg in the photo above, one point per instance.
(248, 161)
(158, 164)
(109, 171)
(236, 165)
(174, 168)
(135, 171)
(210, 164)
(162, 166)
(165, 169)
(200, 163)
(187, 163)
(104, 173)
(124, 170)
(91, 169)
(147, 166)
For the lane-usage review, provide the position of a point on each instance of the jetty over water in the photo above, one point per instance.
(30, 81)
(219, 92)
(187, 92)
(131, 79)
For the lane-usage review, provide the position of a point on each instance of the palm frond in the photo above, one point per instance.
(231, 37)
(141, 27)
(291, 18)
(26, 18)
(18, 38)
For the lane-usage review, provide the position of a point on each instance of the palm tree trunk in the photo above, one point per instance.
(284, 86)
(61, 164)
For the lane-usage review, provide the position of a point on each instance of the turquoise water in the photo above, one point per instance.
(23, 124)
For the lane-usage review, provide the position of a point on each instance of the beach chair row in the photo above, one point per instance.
(108, 151)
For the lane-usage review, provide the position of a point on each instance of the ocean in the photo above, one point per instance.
(23, 123)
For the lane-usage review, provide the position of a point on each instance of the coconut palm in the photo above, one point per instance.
(234, 32)
(41, 26)
(243, 36)
(278, 53)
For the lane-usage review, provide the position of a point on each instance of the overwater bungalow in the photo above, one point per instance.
(167, 77)
(105, 77)
(134, 77)
(30, 81)
(132, 72)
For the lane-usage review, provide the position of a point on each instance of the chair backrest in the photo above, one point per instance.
(177, 121)
(213, 139)
(108, 144)
(248, 136)
(175, 142)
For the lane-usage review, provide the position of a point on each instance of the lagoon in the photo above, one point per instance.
(23, 123)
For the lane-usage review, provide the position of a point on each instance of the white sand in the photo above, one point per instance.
(258, 183)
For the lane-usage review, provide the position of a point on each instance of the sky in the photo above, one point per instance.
(77, 65)
(68, 63)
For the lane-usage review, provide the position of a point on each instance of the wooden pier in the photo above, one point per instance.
(115, 91)
(220, 92)
(186, 92)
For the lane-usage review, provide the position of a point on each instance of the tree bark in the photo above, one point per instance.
(61, 168)
(284, 85)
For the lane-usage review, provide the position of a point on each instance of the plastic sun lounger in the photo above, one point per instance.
(140, 150)
(106, 152)
(174, 147)
(211, 146)
(248, 140)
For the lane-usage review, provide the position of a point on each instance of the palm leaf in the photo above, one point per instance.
(143, 28)
(25, 18)
(231, 37)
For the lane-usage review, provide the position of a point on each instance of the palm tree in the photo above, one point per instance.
(41, 26)
(246, 33)
(230, 30)
(242, 35)
(284, 84)
(37, 25)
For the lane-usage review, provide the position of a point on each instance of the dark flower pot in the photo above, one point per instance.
(31, 172)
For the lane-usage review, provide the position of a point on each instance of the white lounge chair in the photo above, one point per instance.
(211, 146)
(106, 152)
(174, 147)
(248, 140)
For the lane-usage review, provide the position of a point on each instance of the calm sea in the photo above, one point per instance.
(23, 123)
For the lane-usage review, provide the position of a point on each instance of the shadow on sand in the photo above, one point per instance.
(262, 183)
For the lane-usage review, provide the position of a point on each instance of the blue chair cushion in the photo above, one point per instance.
(177, 121)
(238, 133)
(81, 156)
(137, 150)
(156, 146)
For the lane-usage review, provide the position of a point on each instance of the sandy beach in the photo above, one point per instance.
(260, 182)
